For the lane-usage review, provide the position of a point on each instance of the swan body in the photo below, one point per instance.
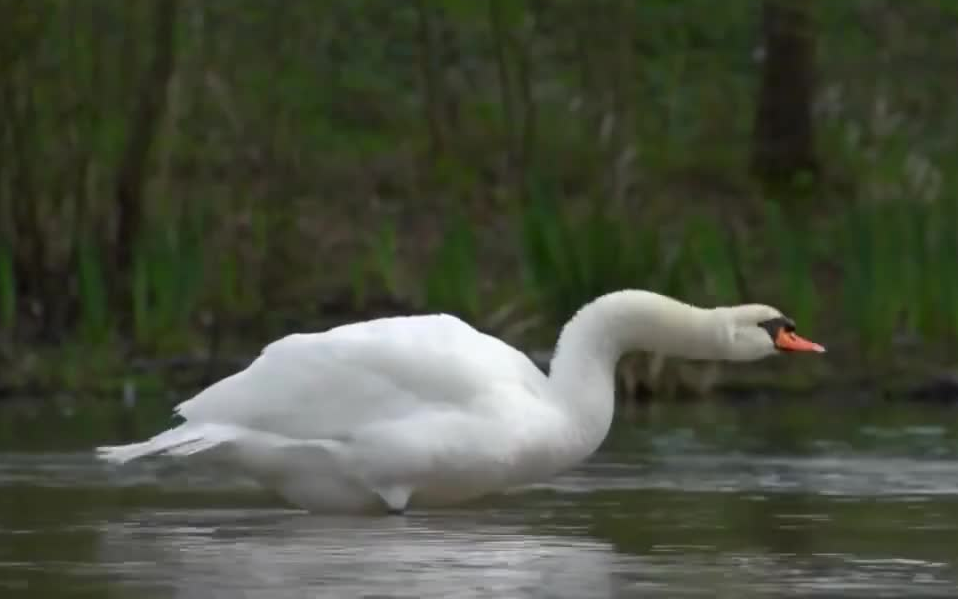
(428, 411)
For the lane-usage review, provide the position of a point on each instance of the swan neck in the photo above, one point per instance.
(634, 320)
(582, 370)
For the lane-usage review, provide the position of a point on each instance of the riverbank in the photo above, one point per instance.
(81, 374)
(870, 283)
(468, 162)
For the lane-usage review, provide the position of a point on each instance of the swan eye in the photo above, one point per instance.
(772, 326)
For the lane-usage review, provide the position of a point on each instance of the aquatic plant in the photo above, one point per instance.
(898, 264)
(451, 279)
(792, 244)
(709, 267)
(8, 288)
(378, 265)
(93, 292)
(169, 278)
(569, 261)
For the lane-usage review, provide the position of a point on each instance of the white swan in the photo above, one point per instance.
(427, 411)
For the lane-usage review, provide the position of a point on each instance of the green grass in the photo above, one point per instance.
(794, 259)
(452, 280)
(261, 175)
(95, 315)
(569, 261)
(898, 271)
(895, 265)
(8, 289)
(710, 264)
(170, 278)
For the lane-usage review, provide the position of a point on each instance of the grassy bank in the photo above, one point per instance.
(873, 282)
(188, 182)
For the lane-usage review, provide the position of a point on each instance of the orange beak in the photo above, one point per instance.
(791, 342)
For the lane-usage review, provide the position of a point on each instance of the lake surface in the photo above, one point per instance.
(769, 499)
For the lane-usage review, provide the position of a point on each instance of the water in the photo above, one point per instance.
(742, 501)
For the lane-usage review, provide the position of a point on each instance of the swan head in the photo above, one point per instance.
(754, 331)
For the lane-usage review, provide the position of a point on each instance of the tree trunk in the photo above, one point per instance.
(783, 151)
(148, 113)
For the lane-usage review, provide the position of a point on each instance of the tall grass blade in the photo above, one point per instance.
(795, 263)
(385, 255)
(92, 289)
(570, 262)
(452, 282)
(140, 294)
(8, 288)
(710, 257)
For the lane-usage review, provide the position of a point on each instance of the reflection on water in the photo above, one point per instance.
(676, 508)
(409, 557)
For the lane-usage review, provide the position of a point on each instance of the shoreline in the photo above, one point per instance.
(184, 375)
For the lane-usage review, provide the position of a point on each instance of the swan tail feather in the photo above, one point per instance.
(183, 441)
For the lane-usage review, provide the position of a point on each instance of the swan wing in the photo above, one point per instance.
(330, 384)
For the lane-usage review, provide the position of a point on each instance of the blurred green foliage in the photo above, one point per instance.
(456, 155)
